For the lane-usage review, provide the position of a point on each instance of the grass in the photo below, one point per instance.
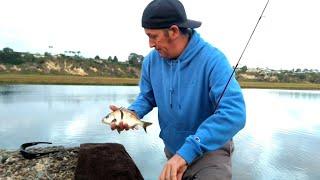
(88, 80)
(274, 85)
(64, 79)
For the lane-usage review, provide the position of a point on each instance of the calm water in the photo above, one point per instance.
(281, 139)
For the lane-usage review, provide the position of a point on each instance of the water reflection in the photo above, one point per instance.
(296, 94)
(281, 139)
(65, 94)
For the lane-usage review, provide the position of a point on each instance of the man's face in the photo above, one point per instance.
(160, 40)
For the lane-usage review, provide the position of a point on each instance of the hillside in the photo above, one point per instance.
(73, 67)
(26, 63)
(12, 62)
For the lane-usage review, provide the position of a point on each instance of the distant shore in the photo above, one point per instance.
(94, 80)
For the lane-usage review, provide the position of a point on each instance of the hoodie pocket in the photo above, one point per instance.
(182, 127)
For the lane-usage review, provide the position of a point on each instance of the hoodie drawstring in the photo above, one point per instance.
(171, 89)
(179, 82)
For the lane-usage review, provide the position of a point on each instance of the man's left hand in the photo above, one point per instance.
(174, 168)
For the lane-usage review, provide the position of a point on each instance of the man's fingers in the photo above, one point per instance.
(179, 176)
(113, 107)
(168, 172)
(113, 126)
(163, 173)
(121, 125)
(174, 168)
(126, 126)
(173, 173)
(181, 172)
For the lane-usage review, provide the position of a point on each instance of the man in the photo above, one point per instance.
(184, 77)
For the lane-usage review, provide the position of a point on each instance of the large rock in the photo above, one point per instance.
(105, 161)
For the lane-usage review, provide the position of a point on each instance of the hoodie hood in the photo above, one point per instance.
(193, 47)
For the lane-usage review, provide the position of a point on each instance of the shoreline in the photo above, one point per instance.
(60, 165)
(95, 80)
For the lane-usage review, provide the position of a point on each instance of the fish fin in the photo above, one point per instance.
(145, 125)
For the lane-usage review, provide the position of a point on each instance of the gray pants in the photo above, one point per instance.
(214, 165)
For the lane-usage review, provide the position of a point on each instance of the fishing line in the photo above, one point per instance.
(234, 69)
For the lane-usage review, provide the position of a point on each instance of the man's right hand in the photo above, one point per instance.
(122, 126)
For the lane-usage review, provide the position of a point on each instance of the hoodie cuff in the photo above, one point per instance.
(131, 108)
(189, 151)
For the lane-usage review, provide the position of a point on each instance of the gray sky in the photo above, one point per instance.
(287, 36)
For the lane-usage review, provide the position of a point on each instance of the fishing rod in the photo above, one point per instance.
(234, 69)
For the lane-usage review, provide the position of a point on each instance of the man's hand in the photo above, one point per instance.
(122, 126)
(174, 168)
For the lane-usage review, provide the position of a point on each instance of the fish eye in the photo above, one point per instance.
(107, 116)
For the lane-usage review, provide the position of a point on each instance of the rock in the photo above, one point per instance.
(105, 161)
(3, 158)
(3, 67)
(9, 161)
(39, 167)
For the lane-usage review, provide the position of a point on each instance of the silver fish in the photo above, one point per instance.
(125, 116)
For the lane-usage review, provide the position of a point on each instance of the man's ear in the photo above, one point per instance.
(174, 31)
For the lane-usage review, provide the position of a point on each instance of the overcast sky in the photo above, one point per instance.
(287, 37)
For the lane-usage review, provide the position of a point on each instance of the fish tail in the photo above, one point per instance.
(145, 125)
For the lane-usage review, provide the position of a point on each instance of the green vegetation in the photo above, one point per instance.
(283, 76)
(72, 68)
(64, 79)
(64, 64)
(274, 85)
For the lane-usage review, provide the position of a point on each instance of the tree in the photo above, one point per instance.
(298, 70)
(7, 55)
(109, 59)
(97, 57)
(135, 59)
(115, 59)
(7, 50)
(243, 69)
(47, 55)
(29, 57)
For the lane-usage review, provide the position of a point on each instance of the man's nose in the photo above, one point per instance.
(151, 43)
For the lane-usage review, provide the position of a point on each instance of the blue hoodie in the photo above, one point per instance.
(186, 91)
